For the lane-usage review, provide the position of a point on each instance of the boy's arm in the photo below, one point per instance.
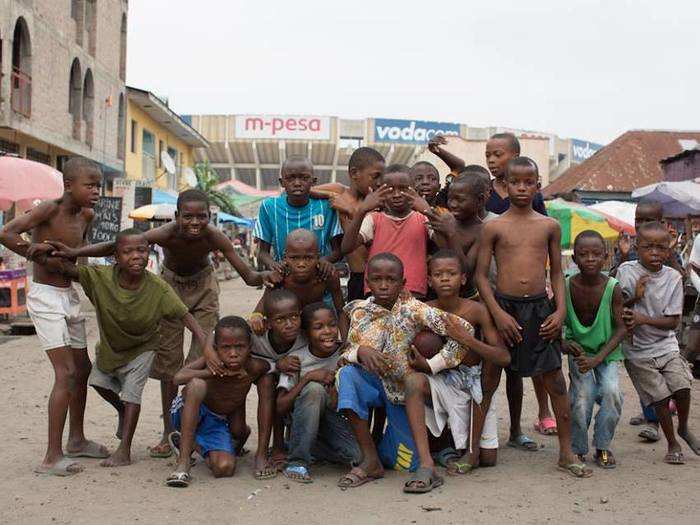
(266, 258)
(336, 291)
(222, 243)
(452, 353)
(551, 327)
(285, 398)
(335, 254)
(352, 238)
(257, 318)
(343, 324)
(492, 348)
(453, 162)
(11, 233)
(196, 368)
(193, 326)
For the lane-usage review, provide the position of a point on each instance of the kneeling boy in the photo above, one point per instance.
(208, 403)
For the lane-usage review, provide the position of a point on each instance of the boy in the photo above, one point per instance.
(295, 208)
(398, 229)
(426, 181)
(130, 304)
(365, 169)
(317, 429)
(54, 307)
(653, 309)
(208, 410)
(188, 243)
(301, 262)
(381, 331)
(522, 240)
(593, 332)
(447, 277)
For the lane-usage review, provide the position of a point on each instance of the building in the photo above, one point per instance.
(63, 66)
(251, 148)
(152, 130)
(684, 166)
(631, 161)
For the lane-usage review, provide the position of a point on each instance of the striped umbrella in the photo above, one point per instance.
(575, 218)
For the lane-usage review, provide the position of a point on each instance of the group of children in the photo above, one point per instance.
(449, 286)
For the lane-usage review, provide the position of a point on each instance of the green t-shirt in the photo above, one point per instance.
(592, 338)
(128, 319)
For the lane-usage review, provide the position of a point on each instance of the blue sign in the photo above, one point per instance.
(411, 131)
(582, 150)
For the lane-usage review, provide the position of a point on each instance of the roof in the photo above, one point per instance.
(630, 161)
(166, 117)
(681, 155)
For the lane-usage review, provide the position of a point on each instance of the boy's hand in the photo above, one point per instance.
(551, 328)
(435, 143)
(257, 323)
(456, 329)
(443, 223)
(375, 199)
(53, 264)
(508, 327)
(374, 361)
(272, 279)
(62, 250)
(418, 362)
(418, 203)
(632, 319)
(278, 267)
(624, 244)
(321, 375)
(38, 252)
(214, 364)
(342, 203)
(289, 364)
(586, 363)
(641, 287)
(573, 348)
(326, 270)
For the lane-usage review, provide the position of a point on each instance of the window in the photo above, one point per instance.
(134, 128)
(89, 107)
(122, 49)
(174, 178)
(160, 153)
(91, 25)
(148, 156)
(77, 13)
(75, 97)
(121, 128)
(21, 77)
(148, 144)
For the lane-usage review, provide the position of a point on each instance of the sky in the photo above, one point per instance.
(586, 69)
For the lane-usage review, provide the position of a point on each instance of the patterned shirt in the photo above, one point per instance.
(392, 331)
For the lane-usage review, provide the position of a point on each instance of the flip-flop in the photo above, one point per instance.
(179, 479)
(651, 434)
(423, 480)
(523, 442)
(267, 472)
(355, 478)
(298, 473)
(62, 468)
(578, 470)
(279, 464)
(674, 458)
(637, 420)
(90, 450)
(160, 451)
(446, 455)
(546, 426)
(174, 442)
(605, 459)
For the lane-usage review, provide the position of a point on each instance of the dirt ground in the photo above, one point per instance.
(524, 488)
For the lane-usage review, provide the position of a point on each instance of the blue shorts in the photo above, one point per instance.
(212, 432)
(359, 391)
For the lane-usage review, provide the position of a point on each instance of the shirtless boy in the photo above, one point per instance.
(207, 412)
(522, 240)
(54, 307)
(187, 242)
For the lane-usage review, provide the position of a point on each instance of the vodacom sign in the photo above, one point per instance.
(281, 127)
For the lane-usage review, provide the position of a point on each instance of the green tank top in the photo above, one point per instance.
(591, 338)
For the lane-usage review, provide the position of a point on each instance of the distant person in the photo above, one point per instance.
(426, 181)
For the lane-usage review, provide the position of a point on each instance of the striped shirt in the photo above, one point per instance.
(277, 218)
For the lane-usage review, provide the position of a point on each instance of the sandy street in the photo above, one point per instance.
(524, 488)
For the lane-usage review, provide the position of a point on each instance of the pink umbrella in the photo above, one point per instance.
(24, 181)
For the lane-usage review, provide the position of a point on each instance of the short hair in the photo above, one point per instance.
(192, 196)
(654, 207)
(475, 169)
(299, 159)
(588, 234)
(232, 322)
(127, 233)
(444, 254)
(364, 157)
(276, 296)
(397, 168)
(475, 184)
(427, 165)
(76, 165)
(310, 309)
(523, 162)
(385, 256)
(649, 227)
(513, 142)
(301, 234)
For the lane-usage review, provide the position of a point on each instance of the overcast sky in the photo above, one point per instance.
(579, 68)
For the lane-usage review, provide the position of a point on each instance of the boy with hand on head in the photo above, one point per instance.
(399, 229)
(188, 243)
(54, 307)
(130, 304)
(302, 276)
(522, 241)
(209, 415)
(653, 308)
(317, 430)
(382, 329)
(594, 329)
(294, 209)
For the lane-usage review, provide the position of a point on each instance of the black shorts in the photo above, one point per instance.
(695, 316)
(356, 286)
(533, 356)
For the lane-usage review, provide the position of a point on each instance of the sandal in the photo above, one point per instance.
(523, 442)
(356, 477)
(650, 434)
(62, 468)
(578, 470)
(674, 458)
(605, 459)
(637, 420)
(298, 473)
(179, 479)
(90, 450)
(423, 480)
(161, 451)
(445, 456)
(546, 426)
(267, 472)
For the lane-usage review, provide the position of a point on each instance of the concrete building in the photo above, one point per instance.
(63, 65)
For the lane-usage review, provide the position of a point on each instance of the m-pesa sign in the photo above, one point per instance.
(281, 127)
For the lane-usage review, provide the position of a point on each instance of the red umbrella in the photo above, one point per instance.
(24, 181)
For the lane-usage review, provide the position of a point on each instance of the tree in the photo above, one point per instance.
(207, 179)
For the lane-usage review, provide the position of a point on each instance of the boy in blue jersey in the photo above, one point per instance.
(295, 209)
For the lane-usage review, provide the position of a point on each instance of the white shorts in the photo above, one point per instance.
(453, 406)
(55, 312)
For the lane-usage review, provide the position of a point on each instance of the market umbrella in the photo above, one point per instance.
(238, 221)
(679, 199)
(575, 218)
(24, 181)
(622, 211)
(154, 212)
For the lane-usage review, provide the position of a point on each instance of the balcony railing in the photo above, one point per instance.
(21, 92)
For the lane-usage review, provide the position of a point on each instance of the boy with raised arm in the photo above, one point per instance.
(207, 415)
(54, 307)
(188, 243)
(522, 241)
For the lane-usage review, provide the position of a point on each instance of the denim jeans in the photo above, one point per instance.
(600, 385)
(318, 431)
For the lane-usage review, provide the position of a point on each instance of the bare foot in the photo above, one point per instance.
(86, 449)
(692, 441)
(264, 469)
(278, 459)
(63, 466)
(118, 459)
